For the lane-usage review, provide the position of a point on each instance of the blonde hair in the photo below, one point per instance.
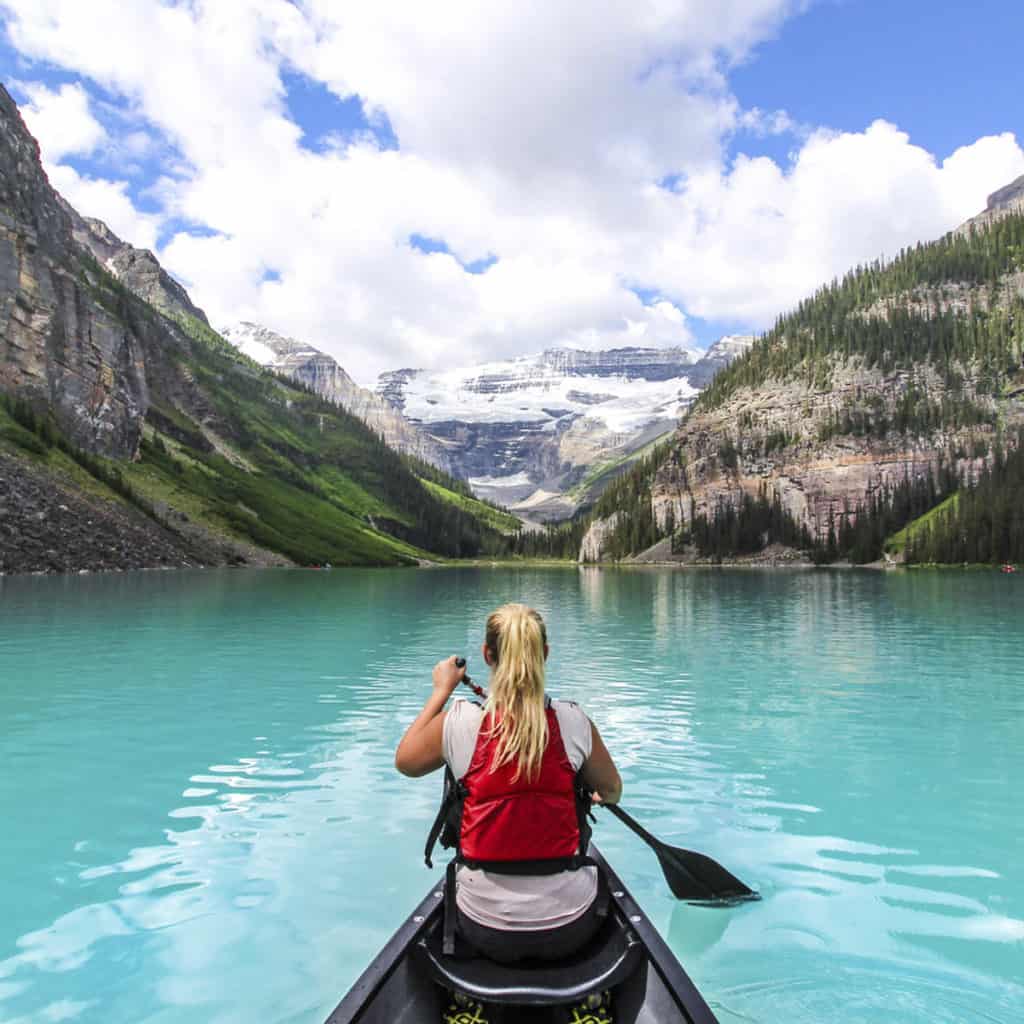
(516, 638)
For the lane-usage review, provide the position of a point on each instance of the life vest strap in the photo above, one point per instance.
(545, 866)
(454, 795)
(448, 927)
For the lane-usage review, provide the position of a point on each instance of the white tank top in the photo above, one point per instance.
(520, 902)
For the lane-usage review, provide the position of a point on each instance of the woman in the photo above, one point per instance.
(519, 891)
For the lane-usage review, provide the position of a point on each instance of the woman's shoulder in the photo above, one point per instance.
(458, 735)
(574, 725)
(462, 711)
(463, 718)
(568, 709)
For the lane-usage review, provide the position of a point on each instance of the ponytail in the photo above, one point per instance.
(515, 639)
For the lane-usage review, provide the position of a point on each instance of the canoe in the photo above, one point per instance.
(410, 980)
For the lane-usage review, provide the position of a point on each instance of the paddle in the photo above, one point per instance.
(690, 875)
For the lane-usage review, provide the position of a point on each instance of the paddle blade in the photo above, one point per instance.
(691, 876)
(699, 879)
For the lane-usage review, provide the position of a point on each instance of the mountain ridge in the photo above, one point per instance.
(1004, 202)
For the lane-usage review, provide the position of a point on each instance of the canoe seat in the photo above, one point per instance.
(610, 957)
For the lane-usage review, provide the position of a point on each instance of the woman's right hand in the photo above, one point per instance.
(447, 676)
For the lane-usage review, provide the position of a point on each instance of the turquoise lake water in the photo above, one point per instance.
(200, 821)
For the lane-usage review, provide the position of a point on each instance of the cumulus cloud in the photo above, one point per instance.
(750, 243)
(61, 121)
(536, 133)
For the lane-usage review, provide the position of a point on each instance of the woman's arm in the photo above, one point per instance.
(421, 750)
(600, 772)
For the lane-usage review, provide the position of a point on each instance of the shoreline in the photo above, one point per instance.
(539, 563)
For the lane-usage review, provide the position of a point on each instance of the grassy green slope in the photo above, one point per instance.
(16, 440)
(600, 477)
(896, 544)
(497, 519)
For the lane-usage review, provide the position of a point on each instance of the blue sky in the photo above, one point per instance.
(323, 115)
(944, 72)
(411, 186)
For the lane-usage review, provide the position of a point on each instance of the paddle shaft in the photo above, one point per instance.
(630, 822)
(478, 690)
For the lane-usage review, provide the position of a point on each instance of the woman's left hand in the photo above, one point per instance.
(447, 676)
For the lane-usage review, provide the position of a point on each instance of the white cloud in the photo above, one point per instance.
(107, 200)
(61, 120)
(756, 240)
(536, 132)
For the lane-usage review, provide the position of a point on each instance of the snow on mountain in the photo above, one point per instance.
(527, 432)
(249, 346)
(541, 433)
(527, 391)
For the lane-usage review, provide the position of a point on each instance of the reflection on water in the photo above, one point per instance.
(202, 820)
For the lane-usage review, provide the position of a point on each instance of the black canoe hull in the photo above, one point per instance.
(396, 989)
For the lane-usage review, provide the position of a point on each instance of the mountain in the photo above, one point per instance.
(873, 401)
(132, 434)
(545, 434)
(322, 374)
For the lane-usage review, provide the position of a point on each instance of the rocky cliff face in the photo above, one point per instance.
(61, 347)
(137, 269)
(542, 433)
(593, 543)
(320, 372)
(772, 439)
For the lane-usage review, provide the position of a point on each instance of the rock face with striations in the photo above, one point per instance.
(818, 481)
(60, 347)
(543, 434)
(322, 373)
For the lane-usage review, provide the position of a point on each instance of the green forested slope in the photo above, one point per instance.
(922, 324)
(983, 524)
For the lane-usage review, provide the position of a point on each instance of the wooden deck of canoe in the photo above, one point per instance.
(408, 981)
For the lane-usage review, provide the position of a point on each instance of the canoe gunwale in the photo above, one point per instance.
(659, 956)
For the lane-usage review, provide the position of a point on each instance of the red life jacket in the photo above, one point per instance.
(524, 819)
